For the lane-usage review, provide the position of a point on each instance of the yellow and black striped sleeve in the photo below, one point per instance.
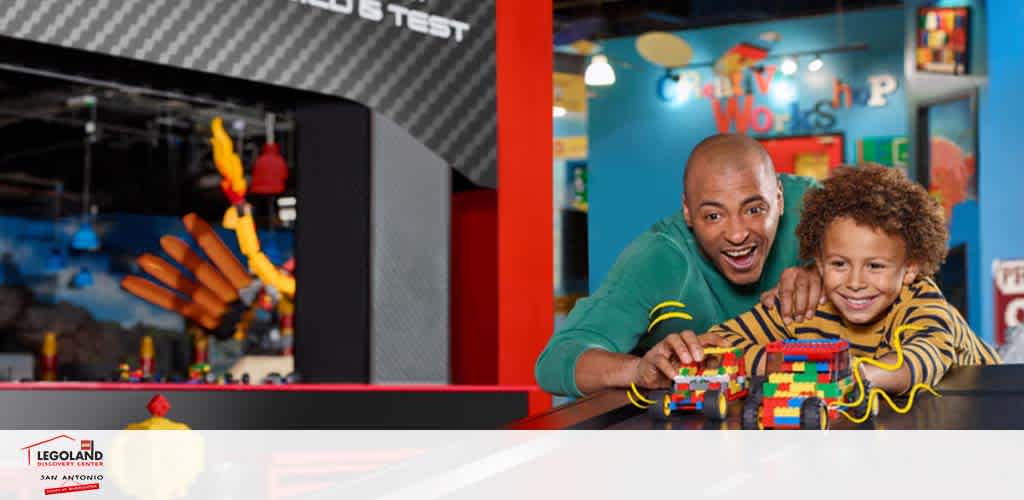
(938, 339)
(753, 330)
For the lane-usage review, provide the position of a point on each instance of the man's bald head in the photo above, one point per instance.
(724, 152)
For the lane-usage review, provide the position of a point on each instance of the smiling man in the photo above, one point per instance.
(729, 245)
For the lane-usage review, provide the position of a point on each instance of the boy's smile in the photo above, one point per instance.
(863, 269)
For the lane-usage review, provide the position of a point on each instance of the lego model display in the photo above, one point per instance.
(807, 385)
(706, 386)
(805, 381)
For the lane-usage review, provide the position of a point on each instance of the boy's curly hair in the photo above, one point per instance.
(877, 197)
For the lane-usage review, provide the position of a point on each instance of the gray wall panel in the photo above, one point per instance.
(410, 215)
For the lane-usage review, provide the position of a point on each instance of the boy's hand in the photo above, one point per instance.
(656, 369)
(799, 292)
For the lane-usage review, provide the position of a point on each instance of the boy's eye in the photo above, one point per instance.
(876, 265)
(837, 263)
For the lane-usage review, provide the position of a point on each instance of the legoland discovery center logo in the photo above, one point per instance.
(66, 464)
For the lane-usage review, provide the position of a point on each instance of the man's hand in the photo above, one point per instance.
(657, 368)
(799, 292)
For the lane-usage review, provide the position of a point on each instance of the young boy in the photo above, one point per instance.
(876, 238)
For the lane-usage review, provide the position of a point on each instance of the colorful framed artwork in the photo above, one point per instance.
(943, 40)
(808, 155)
(948, 149)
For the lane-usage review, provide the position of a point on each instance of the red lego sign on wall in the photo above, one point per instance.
(1008, 276)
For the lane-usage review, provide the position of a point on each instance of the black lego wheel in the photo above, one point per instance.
(750, 419)
(661, 407)
(715, 405)
(813, 414)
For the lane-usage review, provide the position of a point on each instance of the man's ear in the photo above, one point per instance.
(781, 198)
(686, 214)
(910, 276)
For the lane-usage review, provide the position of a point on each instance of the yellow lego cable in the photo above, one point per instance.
(667, 303)
(668, 315)
(631, 400)
(874, 393)
(638, 395)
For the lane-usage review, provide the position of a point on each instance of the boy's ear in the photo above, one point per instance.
(819, 266)
(910, 276)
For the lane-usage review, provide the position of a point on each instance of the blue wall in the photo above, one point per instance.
(1001, 178)
(639, 143)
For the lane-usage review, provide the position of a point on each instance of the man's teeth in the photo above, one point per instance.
(740, 253)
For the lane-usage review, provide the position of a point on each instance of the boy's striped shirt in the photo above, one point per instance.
(943, 341)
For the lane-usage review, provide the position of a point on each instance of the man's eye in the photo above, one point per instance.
(756, 210)
(713, 216)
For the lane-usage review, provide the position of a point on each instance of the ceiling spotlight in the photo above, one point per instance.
(558, 111)
(599, 73)
(815, 64)
(788, 66)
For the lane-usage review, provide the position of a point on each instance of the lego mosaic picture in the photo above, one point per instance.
(942, 40)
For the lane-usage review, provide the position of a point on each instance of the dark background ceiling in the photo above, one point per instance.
(151, 153)
(616, 18)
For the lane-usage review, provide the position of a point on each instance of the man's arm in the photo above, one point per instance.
(588, 352)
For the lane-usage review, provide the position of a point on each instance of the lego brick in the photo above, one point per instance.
(792, 421)
(798, 366)
(780, 378)
(787, 412)
(769, 389)
(806, 377)
(823, 378)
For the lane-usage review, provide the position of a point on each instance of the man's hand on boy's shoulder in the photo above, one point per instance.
(799, 292)
(657, 368)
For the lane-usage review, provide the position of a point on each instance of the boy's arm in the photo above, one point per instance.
(752, 331)
(927, 351)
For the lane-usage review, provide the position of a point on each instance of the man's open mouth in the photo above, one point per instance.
(741, 259)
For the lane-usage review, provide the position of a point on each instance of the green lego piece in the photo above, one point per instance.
(830, 390)
(769, 389)
(805, 377)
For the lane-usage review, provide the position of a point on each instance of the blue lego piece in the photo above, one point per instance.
(787, 420)
(795, 402)
(794, 357)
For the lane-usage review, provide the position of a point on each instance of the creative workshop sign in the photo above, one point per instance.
(1008, 276)
(740, 102)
